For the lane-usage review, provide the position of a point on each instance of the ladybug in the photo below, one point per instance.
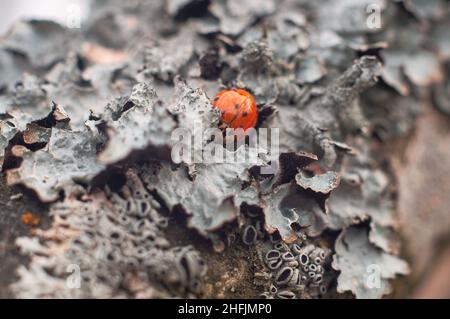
(238, 108)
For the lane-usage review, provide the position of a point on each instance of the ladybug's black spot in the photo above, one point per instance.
(236, 106)
(234, 118)
(216, 99)
(244, 114)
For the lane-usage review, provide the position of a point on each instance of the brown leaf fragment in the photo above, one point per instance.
(36, 134)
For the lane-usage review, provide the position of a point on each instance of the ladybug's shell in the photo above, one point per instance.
(238, 108)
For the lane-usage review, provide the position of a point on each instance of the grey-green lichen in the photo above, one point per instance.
(100, 154)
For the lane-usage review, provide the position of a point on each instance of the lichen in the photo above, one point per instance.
(117, 243)
(88, 129)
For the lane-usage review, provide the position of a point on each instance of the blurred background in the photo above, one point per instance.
(13, 10)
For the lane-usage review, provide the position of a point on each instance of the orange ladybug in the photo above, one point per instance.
(238, 108)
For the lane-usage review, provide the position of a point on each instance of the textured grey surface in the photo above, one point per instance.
(339, 92)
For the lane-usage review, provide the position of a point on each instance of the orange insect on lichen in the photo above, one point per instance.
(29, 219)
(238, 108)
